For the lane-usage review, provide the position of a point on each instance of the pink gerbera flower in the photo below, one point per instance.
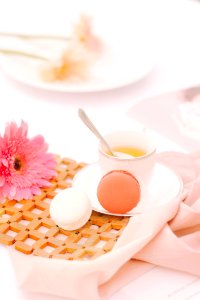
(25, 166)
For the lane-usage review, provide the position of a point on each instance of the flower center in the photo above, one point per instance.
(17, 164)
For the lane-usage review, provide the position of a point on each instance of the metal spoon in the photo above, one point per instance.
(91, 126)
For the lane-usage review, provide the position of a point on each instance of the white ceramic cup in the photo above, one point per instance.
(141, 167)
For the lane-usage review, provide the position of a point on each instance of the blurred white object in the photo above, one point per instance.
(188, 118)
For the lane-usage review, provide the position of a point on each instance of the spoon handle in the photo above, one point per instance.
(91, 126)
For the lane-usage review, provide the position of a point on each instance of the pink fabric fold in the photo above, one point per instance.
(167, 235)
(177, 245)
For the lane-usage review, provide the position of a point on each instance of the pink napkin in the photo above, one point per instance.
(177, 245)
(167, 236)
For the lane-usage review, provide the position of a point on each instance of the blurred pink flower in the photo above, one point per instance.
(83, 34)
(75, 62)
(74, 65)
(25, 166)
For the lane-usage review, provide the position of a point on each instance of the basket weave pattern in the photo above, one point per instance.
(27, 225)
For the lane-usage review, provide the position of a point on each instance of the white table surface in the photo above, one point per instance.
(172, 28)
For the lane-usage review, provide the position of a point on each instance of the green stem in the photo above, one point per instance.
(32, 37)
(21, 53)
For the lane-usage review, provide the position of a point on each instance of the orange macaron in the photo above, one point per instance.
(118, 191)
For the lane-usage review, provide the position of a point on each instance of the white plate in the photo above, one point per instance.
(165, 186)
(119, 66)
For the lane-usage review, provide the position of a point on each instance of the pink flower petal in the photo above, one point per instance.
(4, 162)
(25, 165)
(2, 180)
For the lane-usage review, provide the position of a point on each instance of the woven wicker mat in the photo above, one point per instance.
(27, 226)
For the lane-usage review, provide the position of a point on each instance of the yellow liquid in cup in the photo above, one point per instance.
(136, 152)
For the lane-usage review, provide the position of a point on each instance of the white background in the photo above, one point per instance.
(171, 28)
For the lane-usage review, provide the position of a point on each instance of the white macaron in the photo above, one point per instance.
(70, 209)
